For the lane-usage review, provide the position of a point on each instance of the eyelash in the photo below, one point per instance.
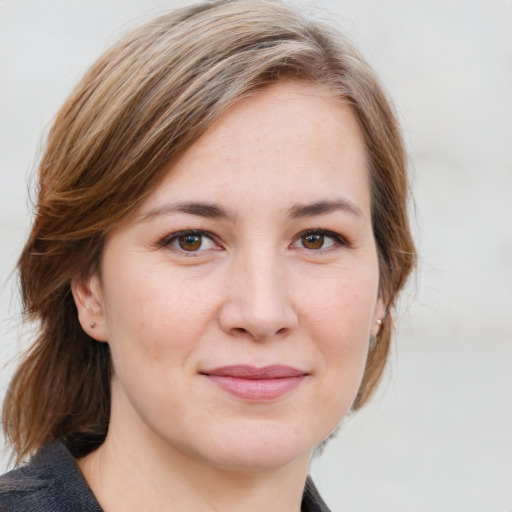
(168, 241)
(337, 238)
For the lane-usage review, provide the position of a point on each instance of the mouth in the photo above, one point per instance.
(256, 384)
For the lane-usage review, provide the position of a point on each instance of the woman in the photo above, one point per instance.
(220, 237)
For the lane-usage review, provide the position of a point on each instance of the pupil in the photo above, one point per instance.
(314, 241)
(190, 242)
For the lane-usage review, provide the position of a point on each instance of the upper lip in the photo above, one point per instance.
(253, 372)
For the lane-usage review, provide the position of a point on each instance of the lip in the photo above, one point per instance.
(256, 384)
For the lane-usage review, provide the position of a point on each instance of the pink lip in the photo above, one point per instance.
(256, 384)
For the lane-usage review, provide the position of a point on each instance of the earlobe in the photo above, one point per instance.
(88, 296)
(378, 317)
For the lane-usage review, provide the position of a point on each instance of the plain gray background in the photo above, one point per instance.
(438, 436)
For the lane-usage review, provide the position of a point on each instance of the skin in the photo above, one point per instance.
(261, 288)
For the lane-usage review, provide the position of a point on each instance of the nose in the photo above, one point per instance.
(257, 301)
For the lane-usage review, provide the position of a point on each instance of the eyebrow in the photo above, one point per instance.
(208, 210)
(322, 207)
(215, 211)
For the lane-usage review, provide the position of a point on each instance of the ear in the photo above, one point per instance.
(378, 317)
(88, 296)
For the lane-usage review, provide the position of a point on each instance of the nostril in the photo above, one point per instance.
(255, 334)
(256, 321)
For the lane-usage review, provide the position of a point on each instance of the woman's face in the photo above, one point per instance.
(239, 299)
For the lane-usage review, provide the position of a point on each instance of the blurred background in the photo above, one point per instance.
(438, 435)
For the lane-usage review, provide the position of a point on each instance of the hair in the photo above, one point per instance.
(138, 108)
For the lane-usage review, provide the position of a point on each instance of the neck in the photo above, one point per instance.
(140, 474)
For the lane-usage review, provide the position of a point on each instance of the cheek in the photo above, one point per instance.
(339, 321)
(153, 312)
(341, 311)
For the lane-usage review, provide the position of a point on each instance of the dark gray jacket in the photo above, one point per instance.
(52, 482)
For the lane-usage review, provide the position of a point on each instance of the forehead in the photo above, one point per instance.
(291, 138)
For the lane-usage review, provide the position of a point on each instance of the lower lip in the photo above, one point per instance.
(256, 389)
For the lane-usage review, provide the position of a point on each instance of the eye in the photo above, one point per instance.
(190, 241)
(318, 239)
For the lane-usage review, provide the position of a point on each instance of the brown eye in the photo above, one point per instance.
(318, 240)
(190, 242)
(313, 241)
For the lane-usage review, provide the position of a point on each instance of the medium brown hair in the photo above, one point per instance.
(137, 109)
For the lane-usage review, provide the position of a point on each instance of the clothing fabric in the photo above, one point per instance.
(52, 482)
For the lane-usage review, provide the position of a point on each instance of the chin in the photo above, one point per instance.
(258, 458)
(259, 447)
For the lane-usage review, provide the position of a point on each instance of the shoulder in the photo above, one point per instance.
(50, 482)
(311, 499)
